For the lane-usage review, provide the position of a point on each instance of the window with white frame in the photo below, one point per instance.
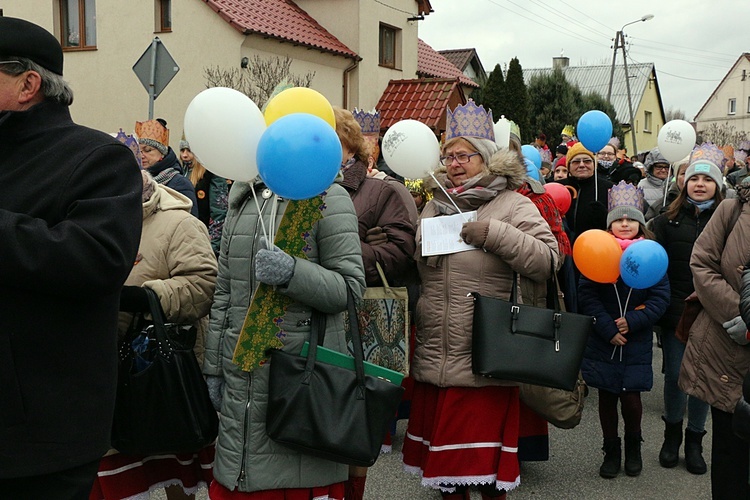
(732, 106)
(647, 117)
(78, 24)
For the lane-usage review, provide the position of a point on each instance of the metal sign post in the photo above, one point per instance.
(155, 69)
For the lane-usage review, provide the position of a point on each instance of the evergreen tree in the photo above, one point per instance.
(515, 103)
(491, 93)
(553, 103)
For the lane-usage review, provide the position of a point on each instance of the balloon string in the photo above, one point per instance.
(440, 185)
(274, 213)
(260, 219)
(619, 302)
(626, 303)
(666, 184)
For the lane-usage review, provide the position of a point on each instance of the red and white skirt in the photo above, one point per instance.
(463, 436)
(134, 477)
(331, 492)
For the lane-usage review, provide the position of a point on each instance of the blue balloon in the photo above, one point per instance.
(594, 130)
(299, 156)
(531, 170)
(643, 264)
(532, 154)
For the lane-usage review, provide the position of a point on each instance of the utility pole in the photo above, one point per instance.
(620, 44)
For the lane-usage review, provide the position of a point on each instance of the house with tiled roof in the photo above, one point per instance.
(353, 48)
(422, 99)
(729, 103)
(467, 61)
(432, 64)
(645, 97)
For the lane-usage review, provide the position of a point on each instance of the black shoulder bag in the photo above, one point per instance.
(325, 410)
(522, 343)
(162, 401)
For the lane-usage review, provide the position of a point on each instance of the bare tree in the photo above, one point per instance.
(722, 135)
(674, 114)
(259, 79)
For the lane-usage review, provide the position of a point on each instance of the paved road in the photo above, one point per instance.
(573, 468)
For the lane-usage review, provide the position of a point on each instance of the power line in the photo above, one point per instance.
(688, 48)
(584, 14)
(394, 8)
(567, 19)
(552, 27)
(687, 53)
(672, 58)
(682, 77)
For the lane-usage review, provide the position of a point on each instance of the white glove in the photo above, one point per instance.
(215, 390)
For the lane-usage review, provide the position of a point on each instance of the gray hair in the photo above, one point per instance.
(54, 88)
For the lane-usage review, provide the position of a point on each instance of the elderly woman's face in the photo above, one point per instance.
(581, 166)
(459, 173)
(150, 156)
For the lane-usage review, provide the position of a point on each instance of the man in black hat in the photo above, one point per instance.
(70, 223)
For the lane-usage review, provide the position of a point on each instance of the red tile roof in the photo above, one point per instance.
(431, 64)
(458, 57)
(424, 99)
(280, 19)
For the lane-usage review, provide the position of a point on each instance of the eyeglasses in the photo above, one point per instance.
(11, 62)
(588, 162)
(605, 153)
(461, 158)
(661, 167)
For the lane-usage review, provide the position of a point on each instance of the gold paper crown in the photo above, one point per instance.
(469, 120)
(417, 186)
(568, 130)
(368, 121)
(515, 130)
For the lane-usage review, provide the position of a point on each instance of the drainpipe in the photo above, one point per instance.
(346, 81)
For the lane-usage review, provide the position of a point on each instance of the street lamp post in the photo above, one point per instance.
(620, 44)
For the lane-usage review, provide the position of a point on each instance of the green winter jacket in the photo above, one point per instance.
(246, 459)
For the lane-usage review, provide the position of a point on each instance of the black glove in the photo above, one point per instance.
(134, 299)
(598, 211)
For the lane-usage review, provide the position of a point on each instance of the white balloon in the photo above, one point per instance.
(676, 140)
(502, 132)
(411, 149)
(223, 127)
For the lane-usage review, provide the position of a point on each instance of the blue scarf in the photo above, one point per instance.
(701, 205)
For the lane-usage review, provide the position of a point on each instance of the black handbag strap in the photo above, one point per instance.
(318, 325)
(159, 323)
(553, 299)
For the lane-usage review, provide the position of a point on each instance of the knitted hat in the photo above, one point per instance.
(577, 149)
(20, 38)
(562, 149)
(153, 133)
(625, 201)
(705, 168)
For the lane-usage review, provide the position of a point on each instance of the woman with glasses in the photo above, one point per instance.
(616, 169)
(657, 179)
(463, 428)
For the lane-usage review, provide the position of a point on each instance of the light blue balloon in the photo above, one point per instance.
(299, 156)
(532, 154)
(594, 130)
(643, 264)
(531, 170)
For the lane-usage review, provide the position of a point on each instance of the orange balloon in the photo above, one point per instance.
(597, 254)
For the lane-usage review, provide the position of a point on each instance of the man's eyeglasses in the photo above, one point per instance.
(461, 158)
(10, 62)
(588, 162)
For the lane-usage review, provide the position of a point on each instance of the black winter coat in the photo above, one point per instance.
(178, 182)
(70, 223)
(588, 211)
(678, 237)
(626, 368)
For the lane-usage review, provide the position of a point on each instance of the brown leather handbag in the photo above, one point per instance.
(692, 307)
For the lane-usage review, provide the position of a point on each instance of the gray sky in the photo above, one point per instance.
(693, 43)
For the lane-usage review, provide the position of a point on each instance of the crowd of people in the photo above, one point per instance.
(86, 237)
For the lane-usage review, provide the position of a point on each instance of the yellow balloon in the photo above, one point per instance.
(299, 100)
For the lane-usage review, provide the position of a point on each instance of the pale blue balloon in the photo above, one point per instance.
(531, 170)
(299, 156)
(532, 154)
(643, 264)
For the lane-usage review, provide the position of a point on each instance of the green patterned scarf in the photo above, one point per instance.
(264, 324)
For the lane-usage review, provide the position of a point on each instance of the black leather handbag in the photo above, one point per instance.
(325, 410)
(522, 343)
(162, 403)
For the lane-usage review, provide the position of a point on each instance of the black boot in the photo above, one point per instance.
(633, 461)
(612, 458)
(694, 452)
(670, 450)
